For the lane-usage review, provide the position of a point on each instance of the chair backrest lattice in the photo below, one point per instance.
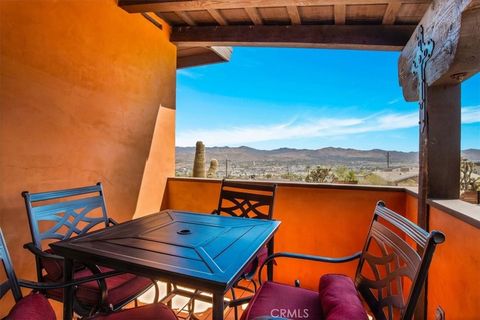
(247, 200)
(69, 212)
(394, 264)
(11, 283)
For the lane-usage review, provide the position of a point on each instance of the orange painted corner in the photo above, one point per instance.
(82, 88)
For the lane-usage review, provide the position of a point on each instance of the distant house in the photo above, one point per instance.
(395, 177)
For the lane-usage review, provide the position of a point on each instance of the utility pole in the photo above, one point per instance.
(388, 159)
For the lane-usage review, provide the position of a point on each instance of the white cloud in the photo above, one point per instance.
(393, 101)
(308, 128)
(471, 114)
(189, 74)
(397, 121)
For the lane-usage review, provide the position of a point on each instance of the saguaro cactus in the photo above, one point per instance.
(199, 161)
(212, 171)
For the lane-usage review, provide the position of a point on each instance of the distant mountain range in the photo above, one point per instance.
(327, 156)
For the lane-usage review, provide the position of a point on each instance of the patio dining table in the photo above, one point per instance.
(201, 251)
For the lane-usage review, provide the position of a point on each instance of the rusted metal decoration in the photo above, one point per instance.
(422, 55)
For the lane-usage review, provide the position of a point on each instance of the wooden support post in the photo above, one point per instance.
(440, 148)
(439, 170)
(451, 47)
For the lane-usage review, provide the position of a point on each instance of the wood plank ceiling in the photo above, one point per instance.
(351, 24)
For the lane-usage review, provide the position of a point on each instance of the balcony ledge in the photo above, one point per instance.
(345, 186)
(464, 211)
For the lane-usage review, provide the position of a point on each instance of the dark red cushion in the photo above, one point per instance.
(32, 307)
(339, 298)
(156, 311)
(280, 300)
(54, 267)
(261, 256)
(119, 287)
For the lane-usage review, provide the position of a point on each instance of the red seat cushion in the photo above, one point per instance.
(280, 300)
(120, 288)
(32, 307)
(54, 267)
(156, 311)
(261, 256)
(339, 298)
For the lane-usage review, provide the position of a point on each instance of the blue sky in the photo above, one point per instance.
(269, 98)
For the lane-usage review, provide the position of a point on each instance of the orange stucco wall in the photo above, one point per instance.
(454, 275)
(87, 94)
(334, 222)
(411, 207)
(315, 220)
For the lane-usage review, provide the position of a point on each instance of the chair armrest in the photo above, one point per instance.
(56, 285)
(42, 254)
(4, 288)
(97, 275)
(253, 270)
(306, 257)
(111, 222)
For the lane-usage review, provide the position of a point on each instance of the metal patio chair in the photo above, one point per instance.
(59, 215)
(391, 271)
(253, 201)
(242, 200)
(35, 306)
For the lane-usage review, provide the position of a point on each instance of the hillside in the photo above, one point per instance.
(294, 164)
(326, 156)
(471, 154)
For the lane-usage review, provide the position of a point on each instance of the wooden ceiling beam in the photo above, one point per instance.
(136, 6)
(391, 13)
(254, 16)
(218, 17)
(381, 37)
(453, 26)
(185, 17)
(339, 13)
(294, 15)
(150, 17)
(206, 56)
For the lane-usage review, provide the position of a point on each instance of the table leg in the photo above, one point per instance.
(218, 306)
(68, 291)
(270, 247)
(169, 290)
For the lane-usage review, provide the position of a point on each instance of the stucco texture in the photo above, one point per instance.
(85, 88)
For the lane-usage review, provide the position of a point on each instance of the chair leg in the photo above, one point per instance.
(169, 290)
(254, 285)
(246, 288)
(157, 292)
(192, 305)
(235, 310)
(83, 311)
